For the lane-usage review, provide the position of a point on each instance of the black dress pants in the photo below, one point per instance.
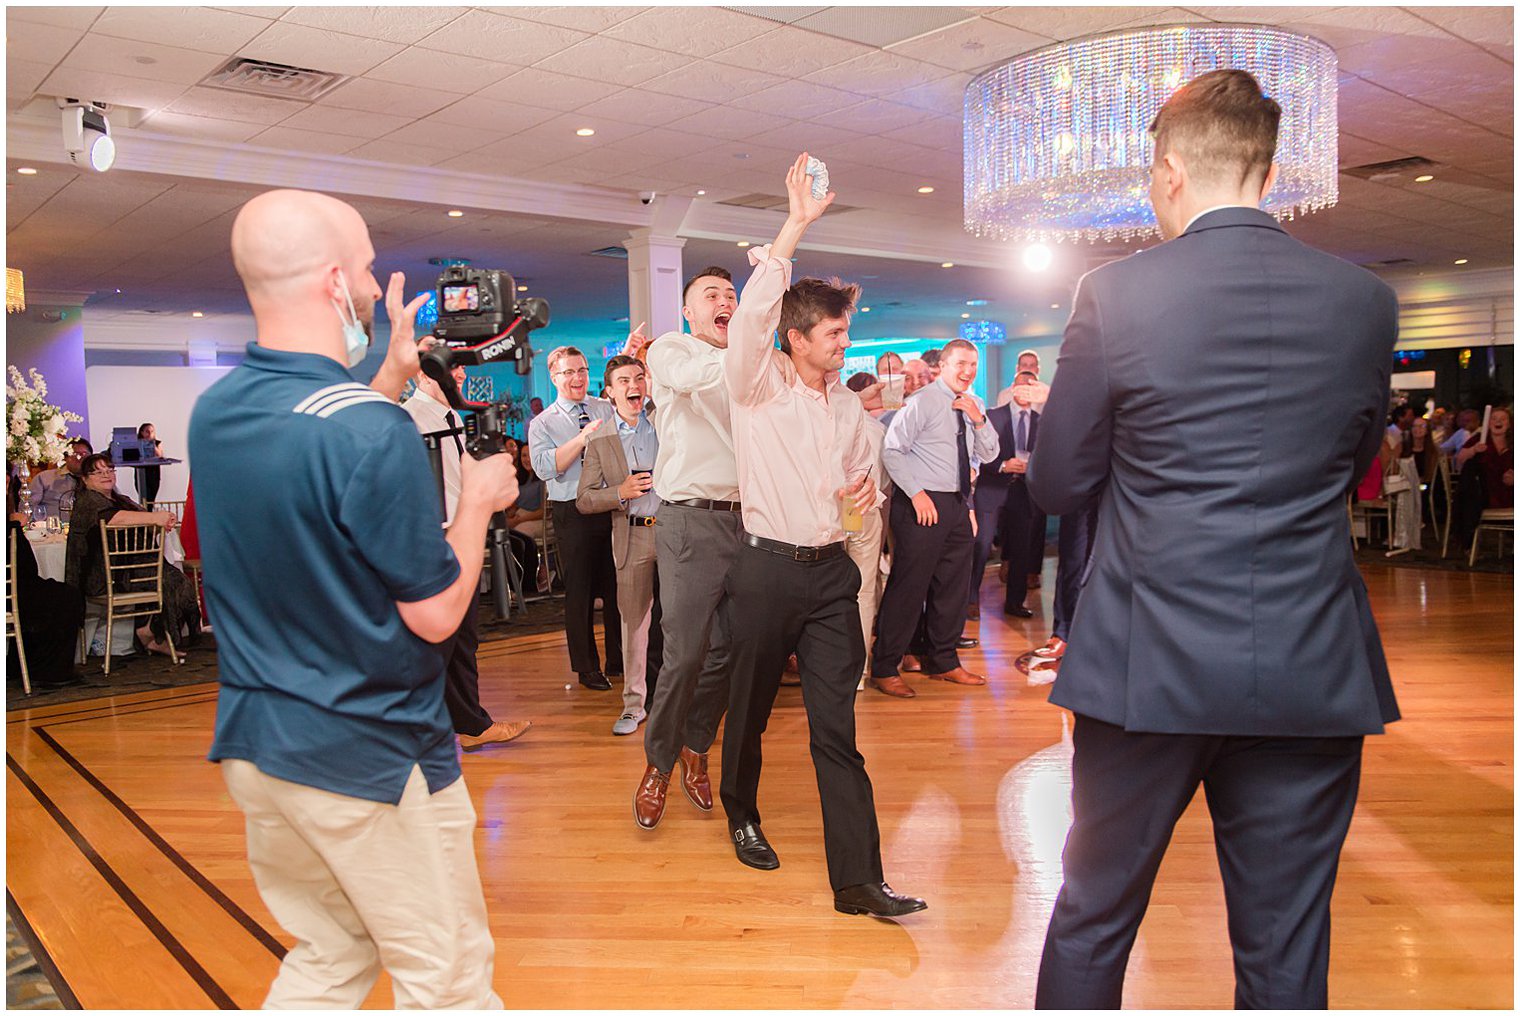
(585, 546)
(989, 525)
(1023, 541)
(461, 680)
(931, 570)
(1281, 807)
(1074, 543)
(779, 606)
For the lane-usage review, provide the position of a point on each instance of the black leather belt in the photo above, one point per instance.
(712, 506)
(794, 552)
(641, 520)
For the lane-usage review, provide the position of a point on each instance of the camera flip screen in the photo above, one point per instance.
(461, 299)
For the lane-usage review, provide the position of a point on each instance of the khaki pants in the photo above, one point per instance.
(635, 582)
(363, 885)
(865, 550)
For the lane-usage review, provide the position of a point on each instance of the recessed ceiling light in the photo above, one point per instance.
(585, 132)
(966, 315)
(976, 303)
(1055, 306)
(455, 213)
(26, 171)
(1426, 178)
(196, 313)
(865, 310)
(522, 289)
(926, 190)
(743, 243)
(700, 193)
(1460, 261)
(947, 264)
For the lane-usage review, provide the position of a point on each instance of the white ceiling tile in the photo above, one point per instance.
(104, 87)
(548, 89)
(882, 26)
(727, 122)
(492, 115)
(712, 81)
(584, 19)
(202, 28)
(268, 13)
(351, 122)
(692, 31)
(1166, 16)
(607, 129)
(393, 24)
(604, 59)
(200, 127)
(1342, 27)
(805, 136)
(504, 158)
(607, 163)
(319, 142)
(388, 97)
(217, 102)
(971, 45)
(878, 73)
(797, 98)
(39, 42)
(876, 116)
(22, 78)
(451, 139)
(64, 17)
(494, 36)
(407, 155)
(792, 52)
(945, 96)
(945, 133)
(676, 146)
(1068, 22)
(649, 109)
(1488, 26)
(317, 49)
(105, 55)
(448, 72)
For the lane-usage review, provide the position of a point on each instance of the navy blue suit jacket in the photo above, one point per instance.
(1220, 393)
(991, 483)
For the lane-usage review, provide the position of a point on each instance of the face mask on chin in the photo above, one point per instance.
(355, 335)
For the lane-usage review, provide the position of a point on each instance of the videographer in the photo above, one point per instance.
(333, 586)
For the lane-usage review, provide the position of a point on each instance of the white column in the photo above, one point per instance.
(654, 281)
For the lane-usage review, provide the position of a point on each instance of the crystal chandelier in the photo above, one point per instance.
(15, 291)
(1057, 146)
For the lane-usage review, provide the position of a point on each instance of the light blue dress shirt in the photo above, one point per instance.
(919, 451)
(553, 427)
(640, 447)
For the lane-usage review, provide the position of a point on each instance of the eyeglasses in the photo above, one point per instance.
(579, 372)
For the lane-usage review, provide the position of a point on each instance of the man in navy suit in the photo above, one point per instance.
(1003, 506)
(1223, 634)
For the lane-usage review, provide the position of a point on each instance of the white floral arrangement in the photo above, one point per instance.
(36, 431)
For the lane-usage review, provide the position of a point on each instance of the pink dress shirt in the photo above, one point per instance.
(795, 446)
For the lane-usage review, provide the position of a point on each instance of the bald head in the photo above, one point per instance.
(285, 239)
(915, 376)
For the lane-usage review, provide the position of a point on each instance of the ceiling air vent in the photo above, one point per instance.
(1394, 169)
(617, 253)
(278, 81)
(1388, 263)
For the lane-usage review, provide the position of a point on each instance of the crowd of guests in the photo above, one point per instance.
(80, 495)
(1421, 451)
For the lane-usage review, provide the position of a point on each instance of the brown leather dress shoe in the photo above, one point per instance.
(649, 801)
(960, 675)
(910, 664)
(694, 778)
(496, 733)
(894, 686)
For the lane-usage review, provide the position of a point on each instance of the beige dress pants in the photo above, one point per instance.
(363, 885)
(865, 550)
(635, 593)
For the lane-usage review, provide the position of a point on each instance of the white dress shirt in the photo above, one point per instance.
(919, 452)
(795, 446)
(555, 426)
(430, 415)
(693, 421)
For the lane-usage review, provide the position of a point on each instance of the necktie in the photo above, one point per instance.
(453, 422)
(1021, 437)
(585, 417)
(962, 454)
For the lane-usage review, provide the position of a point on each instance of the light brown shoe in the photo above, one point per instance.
(694, 778)
(496, 733)
(894, 686)
(910, 664)
(960, 675)
(649, 800)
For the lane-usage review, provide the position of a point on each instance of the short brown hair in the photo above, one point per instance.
(1222, 125)
(616, 362)
(957, 344)
(711, 270)
(558, 353)
(809, 301)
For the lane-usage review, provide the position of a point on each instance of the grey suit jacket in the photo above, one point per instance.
(603, 469)
(1221, 393)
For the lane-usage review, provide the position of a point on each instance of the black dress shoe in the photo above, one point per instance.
(1017, 611)
(751, 848)
(876, 899)
(966, 642)
(596, 681)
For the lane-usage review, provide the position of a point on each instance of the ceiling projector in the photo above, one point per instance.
(87, 135)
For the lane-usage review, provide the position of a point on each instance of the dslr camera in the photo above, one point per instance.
(480, 320)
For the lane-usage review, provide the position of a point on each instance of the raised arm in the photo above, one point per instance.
(672, 365)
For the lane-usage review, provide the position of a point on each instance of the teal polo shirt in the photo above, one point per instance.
(317, 513)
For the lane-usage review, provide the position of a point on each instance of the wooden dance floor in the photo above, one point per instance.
(126, 856)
